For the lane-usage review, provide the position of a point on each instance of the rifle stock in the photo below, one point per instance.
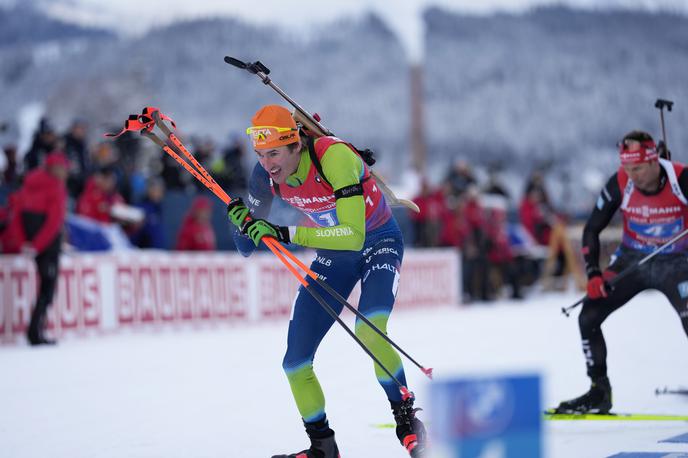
(300, 118)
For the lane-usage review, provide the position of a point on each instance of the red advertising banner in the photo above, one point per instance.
(139, 289)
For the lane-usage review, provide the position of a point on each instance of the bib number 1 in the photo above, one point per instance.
(326, 218)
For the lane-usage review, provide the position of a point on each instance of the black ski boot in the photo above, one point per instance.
(323, 444)
(410, 430)
(597, 400)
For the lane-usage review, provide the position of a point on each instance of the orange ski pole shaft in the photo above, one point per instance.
(279, 250)
(197, 172)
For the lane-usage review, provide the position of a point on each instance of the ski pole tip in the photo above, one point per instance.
(405, 393)
(427, 372)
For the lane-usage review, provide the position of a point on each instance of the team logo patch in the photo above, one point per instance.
(656, 230)
(600, 203)
(683, 289)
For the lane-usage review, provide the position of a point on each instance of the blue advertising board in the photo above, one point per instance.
(487, 417)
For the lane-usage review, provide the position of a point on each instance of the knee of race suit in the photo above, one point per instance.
(291, 363)
(589, 318)
(366, 334)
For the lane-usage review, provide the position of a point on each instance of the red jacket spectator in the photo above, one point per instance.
(428, 222)
(498, 236)
(39, 211)
(453, 230)
(533, 216)
(196, 233)
(460, 227)
(42, 195)
(431, 203)
(99, 196)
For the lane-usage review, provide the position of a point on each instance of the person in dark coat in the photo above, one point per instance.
(45, 140)
(151, 234)
(76, 148)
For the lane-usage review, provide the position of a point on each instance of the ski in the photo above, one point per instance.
(551, 416)
(384, 425)
(612, 416)
(665, 390)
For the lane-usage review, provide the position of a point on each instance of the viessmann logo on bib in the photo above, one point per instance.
(647, 211)
(303, 201)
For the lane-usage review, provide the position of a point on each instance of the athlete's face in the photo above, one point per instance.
(645, 176)
(280, 162)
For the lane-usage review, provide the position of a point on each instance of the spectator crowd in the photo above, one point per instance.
(125, 181)
(502, 243)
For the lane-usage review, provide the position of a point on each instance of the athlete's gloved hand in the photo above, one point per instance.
(258, 228)
(237, 212)
(597, 287)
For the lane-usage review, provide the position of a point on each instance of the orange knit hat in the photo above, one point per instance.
(272, 127)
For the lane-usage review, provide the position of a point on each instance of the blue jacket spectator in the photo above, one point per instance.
(151, 234)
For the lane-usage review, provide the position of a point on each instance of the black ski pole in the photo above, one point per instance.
(660, 104)
(338, 297)
(353, 335)
(323, 303)
(666, 390)
(624, 273)
(341, 300)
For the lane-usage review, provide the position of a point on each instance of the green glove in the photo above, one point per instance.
(237, 212)
(258, 228)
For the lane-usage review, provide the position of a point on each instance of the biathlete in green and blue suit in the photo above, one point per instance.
(356, 238)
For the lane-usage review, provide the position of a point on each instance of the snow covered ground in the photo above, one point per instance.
(221, 392)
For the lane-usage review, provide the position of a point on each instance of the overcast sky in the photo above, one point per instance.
(136, 16)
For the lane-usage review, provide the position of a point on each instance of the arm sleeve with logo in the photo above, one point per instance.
(607, 203)
(343, 168)
(259, 201)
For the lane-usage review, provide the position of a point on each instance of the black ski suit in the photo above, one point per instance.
(666, 272)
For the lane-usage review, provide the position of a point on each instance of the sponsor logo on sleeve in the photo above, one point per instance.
(683, 289)
(255, 202)
(334, 232)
